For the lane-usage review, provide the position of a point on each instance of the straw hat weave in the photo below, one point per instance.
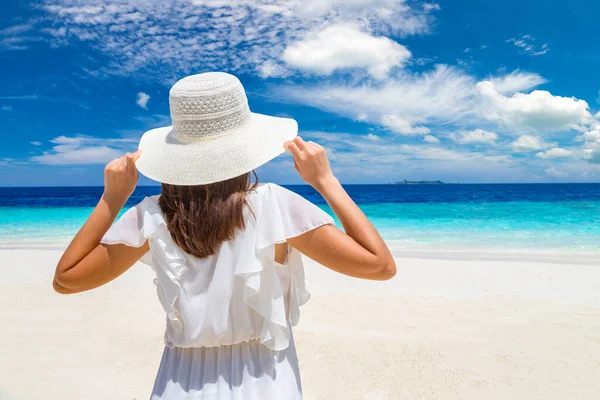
(214, 136)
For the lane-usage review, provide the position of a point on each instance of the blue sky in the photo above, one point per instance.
(462, 91)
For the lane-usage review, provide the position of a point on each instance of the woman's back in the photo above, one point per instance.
(238, 294)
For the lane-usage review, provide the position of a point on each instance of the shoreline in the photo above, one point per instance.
(401, 249)
(474, 253)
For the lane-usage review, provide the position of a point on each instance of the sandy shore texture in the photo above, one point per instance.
(441, 329)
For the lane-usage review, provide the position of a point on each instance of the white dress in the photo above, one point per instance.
(229, 316)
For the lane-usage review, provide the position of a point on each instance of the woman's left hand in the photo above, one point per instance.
(120, 178)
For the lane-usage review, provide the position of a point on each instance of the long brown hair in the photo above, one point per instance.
(200, 218)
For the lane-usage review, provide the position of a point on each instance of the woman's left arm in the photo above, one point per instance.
(86, 263)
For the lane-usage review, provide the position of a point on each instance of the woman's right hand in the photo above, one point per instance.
(310, 160)
(120, 178)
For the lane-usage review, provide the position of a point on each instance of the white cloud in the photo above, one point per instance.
(21, 97)
(390, 152)
(392, 16)
(17, 37)
(15, 43)
(553, 172)
(344, 46)
(517, 81)
(402, 126)
(164, 40)
(50, 99)
(446, 99)
(353, 153)
(431, 6)
(527, 45)
(36, 143)
(372, 137)
(6, 108)
(447, 95)
(84, 150)
(56, 33)
(444, 94)
(17, 29)
(131, 17)
(142, 100)
(476, 136)
(556, 152)
(84, 155)
(431, 139)
(538, 109)
(529, 143)
(592, 155)
(590, 136)
(270, 69)
(421, 61)
(591, 147)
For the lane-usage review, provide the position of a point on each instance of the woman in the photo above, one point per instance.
(226, 252)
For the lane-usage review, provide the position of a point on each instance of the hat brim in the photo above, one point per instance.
(167, 159)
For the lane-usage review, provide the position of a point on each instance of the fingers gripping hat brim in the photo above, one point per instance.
(168, 159)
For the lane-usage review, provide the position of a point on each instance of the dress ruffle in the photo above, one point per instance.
(281, 215)
(145, 222)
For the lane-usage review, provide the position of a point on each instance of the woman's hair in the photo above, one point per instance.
(200, 218)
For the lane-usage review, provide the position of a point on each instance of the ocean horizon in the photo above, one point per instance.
(521, 216)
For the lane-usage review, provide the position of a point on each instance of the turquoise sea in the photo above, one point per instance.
(520, 216)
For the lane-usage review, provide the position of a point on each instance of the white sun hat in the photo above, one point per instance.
(214, 136)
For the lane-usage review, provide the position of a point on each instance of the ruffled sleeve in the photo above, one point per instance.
(145, 222)
(137, 225)
(129, 229)
(281, 214)
(286, 214)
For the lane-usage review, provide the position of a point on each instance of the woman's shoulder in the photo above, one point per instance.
(265, 186)
(265, 190)
(271, 194)
(271, 188)
(151, 199)
(273, 199)
(149, 203)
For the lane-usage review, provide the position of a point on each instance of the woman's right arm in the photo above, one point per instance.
(360, 252)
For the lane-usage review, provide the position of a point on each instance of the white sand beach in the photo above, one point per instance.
(448, 326)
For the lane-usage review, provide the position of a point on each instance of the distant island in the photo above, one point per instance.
(405, 182)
